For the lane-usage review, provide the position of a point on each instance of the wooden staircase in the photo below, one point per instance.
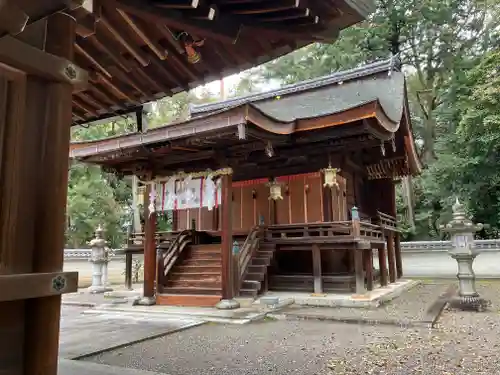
(255, 274)
(195, 278)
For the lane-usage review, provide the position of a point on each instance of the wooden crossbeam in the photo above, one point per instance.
(226, 31)
(37, 285)
(34, 61)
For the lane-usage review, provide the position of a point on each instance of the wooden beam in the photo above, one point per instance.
(36, 62)
(179, 4)
(227, 237)
(12, 18)
(36, 285)
(226, 31)
(35, 11)
(118, 35)
(152, 44)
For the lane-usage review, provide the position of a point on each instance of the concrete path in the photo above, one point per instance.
(88, 334)
(68, 367)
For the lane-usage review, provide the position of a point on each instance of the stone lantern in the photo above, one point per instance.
(99, 260)
(464, 251)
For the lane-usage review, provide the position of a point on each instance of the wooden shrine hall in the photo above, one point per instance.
(288, 190)
(67, 62)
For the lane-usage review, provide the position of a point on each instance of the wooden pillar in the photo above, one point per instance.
(399, 260)
(358, 270)
(149, 252)
(327, 202)
(391, 257)
(35, 120)
(382, 264)
(227, 237)
(316, 258)
(368, 266)
(128, 270)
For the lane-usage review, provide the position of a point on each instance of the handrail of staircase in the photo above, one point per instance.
(168, 257)
(248, 249)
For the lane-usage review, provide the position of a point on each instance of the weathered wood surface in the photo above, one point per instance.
(36, 285)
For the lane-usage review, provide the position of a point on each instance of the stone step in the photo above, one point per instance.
(251, 285)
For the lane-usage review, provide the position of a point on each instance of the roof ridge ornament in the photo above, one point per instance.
(394, 63)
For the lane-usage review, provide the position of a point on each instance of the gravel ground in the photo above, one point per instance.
(464, 343)
(411, 306)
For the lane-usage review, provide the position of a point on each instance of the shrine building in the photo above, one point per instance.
(287, 190)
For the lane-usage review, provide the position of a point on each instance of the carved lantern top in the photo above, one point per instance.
(98, 241)
(462, 230)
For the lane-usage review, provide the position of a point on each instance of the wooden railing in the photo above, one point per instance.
(137, 239)
(387, 222)
(250, 246)
(168, 255)
(334, 231)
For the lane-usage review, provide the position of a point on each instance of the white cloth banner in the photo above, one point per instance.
(188, 193)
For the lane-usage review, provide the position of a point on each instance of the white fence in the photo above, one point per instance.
(427, 259)
(430, 259)
(78, 260)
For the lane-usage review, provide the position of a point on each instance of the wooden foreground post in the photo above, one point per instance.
(35, 121)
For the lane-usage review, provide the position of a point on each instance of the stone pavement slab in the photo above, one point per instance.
(69, 367)
(410, 308)
(87, 334)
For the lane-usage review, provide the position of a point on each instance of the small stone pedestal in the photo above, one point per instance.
(99, 261)
(464, 251)
(227, 304)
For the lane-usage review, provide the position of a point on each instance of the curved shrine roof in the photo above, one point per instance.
(375, 91)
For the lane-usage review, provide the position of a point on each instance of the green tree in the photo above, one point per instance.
(435, 39)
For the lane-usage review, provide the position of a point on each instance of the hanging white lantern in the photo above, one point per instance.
(330, 176)
(209, 193)
(140, 195)
(274, 190)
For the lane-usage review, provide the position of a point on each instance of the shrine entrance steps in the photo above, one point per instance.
(195, 279)
(256, 276)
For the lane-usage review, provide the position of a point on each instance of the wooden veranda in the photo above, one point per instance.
(65, 62)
